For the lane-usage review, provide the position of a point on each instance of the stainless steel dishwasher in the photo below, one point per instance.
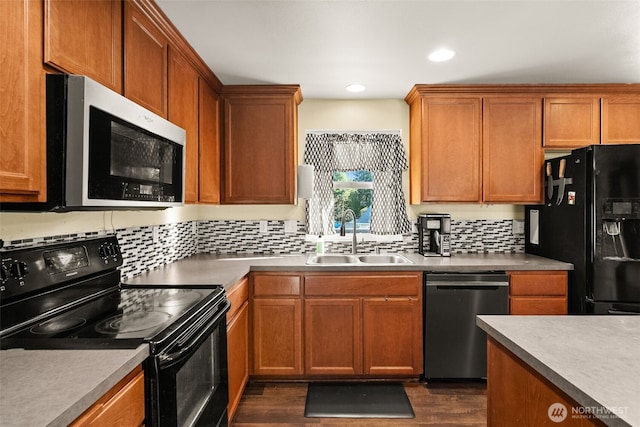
(454, 347)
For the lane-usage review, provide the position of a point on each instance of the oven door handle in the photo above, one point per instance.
(166, 360)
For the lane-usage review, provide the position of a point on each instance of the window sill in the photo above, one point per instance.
(362, 237)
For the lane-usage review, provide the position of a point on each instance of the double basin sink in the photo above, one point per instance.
(355, 260)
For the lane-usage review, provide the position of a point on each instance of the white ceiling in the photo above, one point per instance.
(324, 45)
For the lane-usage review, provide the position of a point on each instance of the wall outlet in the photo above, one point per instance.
(517, 227)
(155, 231)
(263, 227)
(290, 226)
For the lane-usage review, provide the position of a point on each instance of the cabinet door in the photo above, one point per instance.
(145, 61)
(571, 122)
(451, 150)
(260, 131)
(277, 336)
(183, 111)
(123, 405)
(333, 336)
(621, 120)
(209, 157)
(512, 149)
(22, 80)
(238, 356)
(392, 336)
(85, 37)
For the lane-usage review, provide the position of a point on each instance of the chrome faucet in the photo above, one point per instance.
(354, 248)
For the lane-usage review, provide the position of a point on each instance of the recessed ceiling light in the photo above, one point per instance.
(441, 55)
(356, 87)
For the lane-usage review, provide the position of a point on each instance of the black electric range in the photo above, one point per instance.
(70, 296)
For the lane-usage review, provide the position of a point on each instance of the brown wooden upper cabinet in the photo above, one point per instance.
(446, 164)
(512, 154)
(485, 143)
(145, 60)
(22, 80)
(183, 111)
(260, 144)
(571, 122)
(470, 146)
(209, 147)
(621, 119)
(85, 37)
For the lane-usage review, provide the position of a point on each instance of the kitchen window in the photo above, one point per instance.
(353, 190)
(362, 169)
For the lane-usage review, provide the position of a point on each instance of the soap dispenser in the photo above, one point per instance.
(320, 245)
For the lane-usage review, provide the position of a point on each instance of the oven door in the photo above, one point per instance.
(188, 380)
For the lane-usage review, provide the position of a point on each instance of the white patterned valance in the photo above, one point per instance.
(381, 153)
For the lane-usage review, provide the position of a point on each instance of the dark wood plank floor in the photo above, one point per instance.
(282, 404)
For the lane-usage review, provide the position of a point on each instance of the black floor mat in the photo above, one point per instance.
(357, 400)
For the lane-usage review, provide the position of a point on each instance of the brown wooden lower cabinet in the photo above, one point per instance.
(238, 342)
(392, 336)
(364, 325)
(123, 405)
(276, 324)
(277, 340)
(538, 292)
(332, 332)
(517, 395)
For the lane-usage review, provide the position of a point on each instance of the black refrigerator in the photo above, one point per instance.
(591, 218)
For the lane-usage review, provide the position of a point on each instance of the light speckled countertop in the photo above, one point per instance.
(593, 359)
(228, 269)
(53, 387)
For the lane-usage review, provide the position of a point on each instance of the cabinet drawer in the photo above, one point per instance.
(537, 306)
(379, 284)
(552, 283)
(276, 285)
(237, 296)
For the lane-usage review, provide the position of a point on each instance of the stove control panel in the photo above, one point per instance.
(29, 270)
(109, 252)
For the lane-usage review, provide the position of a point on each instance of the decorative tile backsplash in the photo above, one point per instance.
(467, 236)
(140, 253)
(176, 241)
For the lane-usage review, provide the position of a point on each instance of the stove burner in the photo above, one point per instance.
(182, 297)
(132, 322)
(58, 325)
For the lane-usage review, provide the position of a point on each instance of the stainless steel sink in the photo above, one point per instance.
(361, 260)
(332, 259)
(384, 259)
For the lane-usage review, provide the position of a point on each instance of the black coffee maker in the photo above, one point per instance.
(434, 234)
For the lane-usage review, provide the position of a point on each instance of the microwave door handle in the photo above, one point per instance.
(166, 360)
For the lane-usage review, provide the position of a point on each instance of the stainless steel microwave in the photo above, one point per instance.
(106, 152)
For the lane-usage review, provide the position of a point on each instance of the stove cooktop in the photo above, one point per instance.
(69, 295)
(123, 318)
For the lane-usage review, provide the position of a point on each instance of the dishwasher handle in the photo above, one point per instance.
(467, 281)
(468, 287)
